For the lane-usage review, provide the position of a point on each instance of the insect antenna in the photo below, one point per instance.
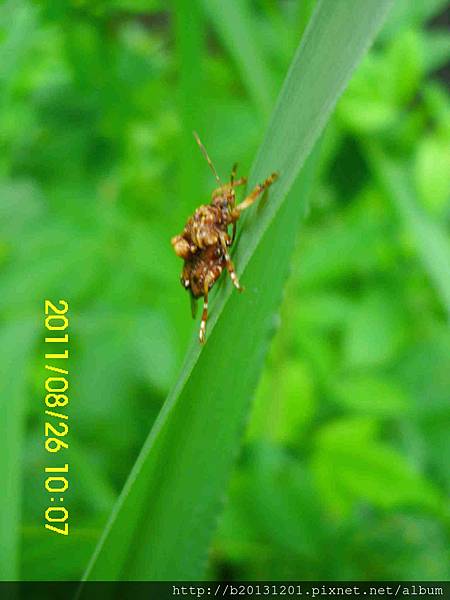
(193, 306)
(205, 154)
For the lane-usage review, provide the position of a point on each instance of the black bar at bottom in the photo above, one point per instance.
(172, 590)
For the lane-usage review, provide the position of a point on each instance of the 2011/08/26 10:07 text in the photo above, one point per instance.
(56, 398)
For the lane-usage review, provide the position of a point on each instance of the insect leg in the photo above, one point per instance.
(224, 190)
(238, 182)
(233, 173)
(202, 332)
(193, 306)
(259, 189)
(230, 267)
(235, 182)
(233, 235)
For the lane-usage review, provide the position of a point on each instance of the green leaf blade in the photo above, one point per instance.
(165, 517)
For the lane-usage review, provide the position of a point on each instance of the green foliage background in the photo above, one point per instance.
(344, 470)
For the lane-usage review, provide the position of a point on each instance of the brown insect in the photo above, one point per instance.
(205, 240)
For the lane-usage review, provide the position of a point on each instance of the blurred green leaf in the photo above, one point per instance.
(280, 503)
(404, 63)
(346, 247)
(431, 241)
(325, 311)
(168, 508)
(436, 49)
(16, 342)
(284, 404)
(424, 372)
(139, 6)
(17, 26)
(367, 470)
(235, 24)
(189, 32)
(386, 82)
(371, 395)
(432, 173)
(436, 101)
(375, 333)
(337, 252)
(407, 14)
(353, 431)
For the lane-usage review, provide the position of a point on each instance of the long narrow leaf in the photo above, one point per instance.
(430, 239)
(162, 525)
(233, 22)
